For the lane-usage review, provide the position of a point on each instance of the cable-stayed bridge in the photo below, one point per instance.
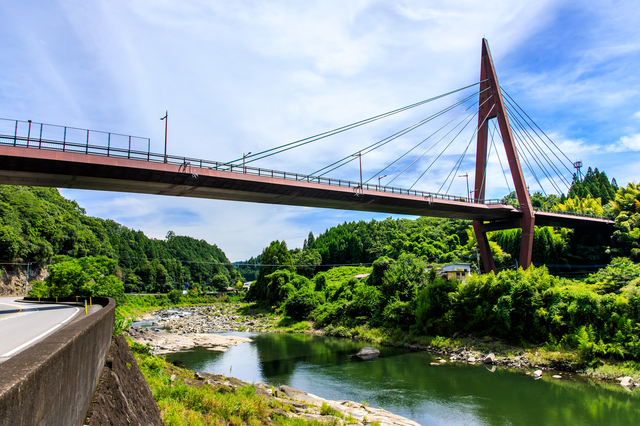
(39, 154)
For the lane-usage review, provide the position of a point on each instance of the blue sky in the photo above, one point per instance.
(248, 75)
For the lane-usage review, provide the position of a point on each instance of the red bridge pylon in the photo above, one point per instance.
(495, 108)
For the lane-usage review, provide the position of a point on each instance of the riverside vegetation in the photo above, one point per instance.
(587, 322)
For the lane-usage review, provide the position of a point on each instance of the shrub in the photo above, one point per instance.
(300, 303)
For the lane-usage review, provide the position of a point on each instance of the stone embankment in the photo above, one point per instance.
(123, 396)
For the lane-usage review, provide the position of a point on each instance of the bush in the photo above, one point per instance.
(300, 303)
(398, 314)
(432, 303)
(175, 296)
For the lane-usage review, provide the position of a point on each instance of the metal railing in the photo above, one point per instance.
(29, 134)
(540, 209)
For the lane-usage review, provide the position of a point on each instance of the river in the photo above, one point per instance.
(404, 383)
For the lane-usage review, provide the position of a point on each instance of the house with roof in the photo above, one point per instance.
(456, 271)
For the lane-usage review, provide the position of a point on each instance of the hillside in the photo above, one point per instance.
(38, 224)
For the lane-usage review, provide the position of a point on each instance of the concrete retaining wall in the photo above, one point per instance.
(53, 381)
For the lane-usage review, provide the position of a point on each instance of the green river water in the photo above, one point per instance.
(404, 383)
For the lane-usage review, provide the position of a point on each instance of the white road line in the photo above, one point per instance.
(19, 348)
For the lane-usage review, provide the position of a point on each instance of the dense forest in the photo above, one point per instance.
(599, 314)
(450, 240)
(38, 224)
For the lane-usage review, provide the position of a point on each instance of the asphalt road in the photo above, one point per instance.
(23, 324)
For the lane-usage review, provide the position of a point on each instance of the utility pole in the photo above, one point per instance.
(466, 175)
(166, 120)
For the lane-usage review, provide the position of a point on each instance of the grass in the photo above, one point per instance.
(612, 371)
(182, 405)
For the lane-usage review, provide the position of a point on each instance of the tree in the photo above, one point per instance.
(306, 262)
(274, 257)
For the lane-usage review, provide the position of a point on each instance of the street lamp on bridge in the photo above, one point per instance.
(244, 156)
(379, 178)
(466, 175)
(166, 120)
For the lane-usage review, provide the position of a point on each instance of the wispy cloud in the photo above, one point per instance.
(246, 76)
(626, 143)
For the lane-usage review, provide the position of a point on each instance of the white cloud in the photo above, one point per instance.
(245, 76)
(626, 143)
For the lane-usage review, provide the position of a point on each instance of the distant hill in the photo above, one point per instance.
(37, 224)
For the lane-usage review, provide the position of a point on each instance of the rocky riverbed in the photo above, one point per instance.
(211, 318)
(164, 342)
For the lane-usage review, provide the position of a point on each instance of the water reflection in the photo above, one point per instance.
(404, 383)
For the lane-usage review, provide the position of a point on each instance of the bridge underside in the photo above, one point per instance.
(30, 167)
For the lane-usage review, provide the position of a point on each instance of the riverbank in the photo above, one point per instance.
(194, 320)
(186, 398)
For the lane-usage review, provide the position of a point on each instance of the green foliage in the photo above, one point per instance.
(300, 303)
(433, 303)
(626, 209)
(175, 296)
(595, 184)
(365, 242)
(620, 272)
(268, 288)
(306, 261)
(86, 276)
(38, 224)
(339, 274)
(39, 289)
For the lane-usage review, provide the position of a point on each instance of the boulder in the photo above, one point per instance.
(490, 359)
(626, 382)
(434, 364)
(471, 359)
(368, 353)
(557, 376)
(537, 374)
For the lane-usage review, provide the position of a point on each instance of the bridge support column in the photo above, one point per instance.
(491, 105)
(483, 246)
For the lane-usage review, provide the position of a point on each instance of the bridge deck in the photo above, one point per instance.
(40, 167)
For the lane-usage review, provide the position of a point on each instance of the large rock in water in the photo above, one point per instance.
(626, 382)
(368, 353)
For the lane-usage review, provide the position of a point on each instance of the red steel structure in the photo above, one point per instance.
(495, 109)
(84, 159)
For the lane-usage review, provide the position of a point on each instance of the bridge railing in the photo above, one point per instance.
(30, 134)
(540, 209)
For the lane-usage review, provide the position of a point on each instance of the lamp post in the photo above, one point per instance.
(466, 175)
(359, 155)
(244, 156)
(379, 178)
(166, 120)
